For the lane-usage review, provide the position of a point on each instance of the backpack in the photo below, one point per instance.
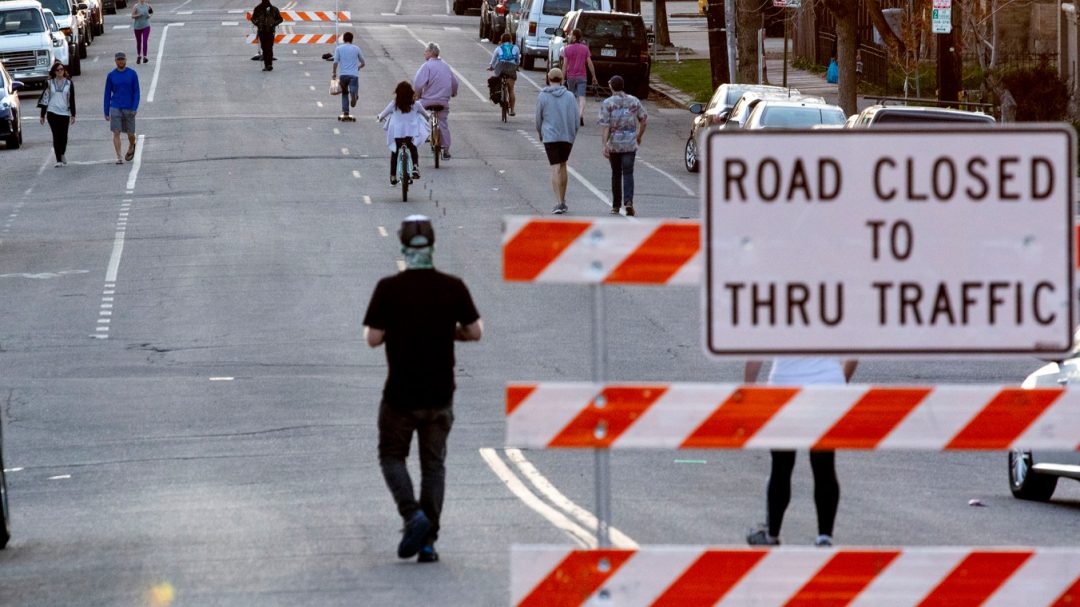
(506, 52)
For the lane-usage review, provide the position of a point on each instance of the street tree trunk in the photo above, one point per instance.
(748, 20)
(663, 35)
(718, 55)
(846, 13)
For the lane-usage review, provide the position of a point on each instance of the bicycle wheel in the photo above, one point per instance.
(505, 100)
(5, 516)
(436, 141)
(404, 174)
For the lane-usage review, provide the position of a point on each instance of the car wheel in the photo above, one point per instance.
(99, 29)
(82, 49)
(690, 156)
(641, 90)
(74, 63)
(121, 3)
(527, 61)
(1025, 483)
(14, 140)
(458, 9)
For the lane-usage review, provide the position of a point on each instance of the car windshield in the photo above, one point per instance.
(800, 117)
(58, 7)
(622, 29)
(21, 21)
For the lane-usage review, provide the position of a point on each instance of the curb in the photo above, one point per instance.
(670, 93)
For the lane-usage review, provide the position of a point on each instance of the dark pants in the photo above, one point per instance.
(412, 152)
(826, 489)
(59, 126)
(266, 43)
(622, 178)
(432, 427)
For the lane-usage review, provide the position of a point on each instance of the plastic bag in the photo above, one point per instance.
(335, 86)
(832, 75)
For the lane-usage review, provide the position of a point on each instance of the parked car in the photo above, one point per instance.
(95, 12)
(903, 114)
(534, 23)
(10, 111)
(801, 114)
(460, 6)
(493, 14)
(616, 43)
(736, 119)
(108, 6)
(59, 42)
(68, 18)
(1033, 475)
(716, 112)
(28, 47)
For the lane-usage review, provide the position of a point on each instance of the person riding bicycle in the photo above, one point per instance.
(504, 62)
(435, 84)
(408, 124)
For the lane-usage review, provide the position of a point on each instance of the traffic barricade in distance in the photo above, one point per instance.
(301, 16)
(297, 39)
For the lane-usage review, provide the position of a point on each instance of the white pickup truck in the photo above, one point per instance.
(28, 43)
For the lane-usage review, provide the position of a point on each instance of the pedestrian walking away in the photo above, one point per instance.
(800, 372)
(576, 63)
(57, 105)
(418, 314)
(406, 123)
(266, 17)
(504, 62)
(121, 104)
(557, 125)
(141, 12)
(435, 84)
(622, 120)
(348, 61)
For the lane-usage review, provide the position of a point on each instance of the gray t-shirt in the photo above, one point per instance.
(142, 16)
(348, 58)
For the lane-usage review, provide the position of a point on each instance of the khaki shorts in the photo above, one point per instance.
(121, 121)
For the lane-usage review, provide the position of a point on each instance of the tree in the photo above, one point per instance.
(748, 20)
(846, 13)
(663, 36)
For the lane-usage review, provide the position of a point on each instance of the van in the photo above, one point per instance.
(535, 22)
(27, 45)
(70, 16)
(617, 46)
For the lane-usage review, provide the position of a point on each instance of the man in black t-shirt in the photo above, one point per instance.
(418, 314)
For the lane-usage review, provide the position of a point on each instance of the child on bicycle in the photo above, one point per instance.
(406, 122)
(504, 62)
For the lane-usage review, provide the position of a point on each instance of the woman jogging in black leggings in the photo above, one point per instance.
(800, 372)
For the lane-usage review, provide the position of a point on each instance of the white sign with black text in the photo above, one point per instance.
(926, 241)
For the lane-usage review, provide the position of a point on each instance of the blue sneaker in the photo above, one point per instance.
(414, 535)
(428, 554)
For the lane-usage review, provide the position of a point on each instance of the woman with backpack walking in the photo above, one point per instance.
(504, 62)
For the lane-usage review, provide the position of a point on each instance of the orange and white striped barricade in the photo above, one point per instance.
(732, 416)
(312, 16)
(297, 39)
(691, 576)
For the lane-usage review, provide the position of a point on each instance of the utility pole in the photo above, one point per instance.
(718, 42)
(949, 63)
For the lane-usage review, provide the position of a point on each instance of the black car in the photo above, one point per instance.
(617, 43)
(493, 17)
(460, 6)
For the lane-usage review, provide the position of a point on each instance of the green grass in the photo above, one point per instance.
(692, 77)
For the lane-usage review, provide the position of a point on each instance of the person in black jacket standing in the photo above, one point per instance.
(58, 107)
(266, 17)
(419, 314)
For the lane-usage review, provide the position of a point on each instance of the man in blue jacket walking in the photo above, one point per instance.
(121, 103)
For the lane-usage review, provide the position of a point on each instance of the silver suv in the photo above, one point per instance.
(27, 46)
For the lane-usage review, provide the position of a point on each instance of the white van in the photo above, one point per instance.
(27, 45)
(536, 20)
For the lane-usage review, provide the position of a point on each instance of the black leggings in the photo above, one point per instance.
(412, 151)
(59, 125)
(826, 489)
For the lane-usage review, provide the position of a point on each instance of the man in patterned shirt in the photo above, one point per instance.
(623, 121)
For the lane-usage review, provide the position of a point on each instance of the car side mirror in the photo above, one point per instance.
(82, 6)
(17, 85)
(696, 108)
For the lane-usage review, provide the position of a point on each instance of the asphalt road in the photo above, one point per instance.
(200, 428)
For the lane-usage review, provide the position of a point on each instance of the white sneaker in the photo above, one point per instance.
(59, 164)
(823, 541)
(63, 160)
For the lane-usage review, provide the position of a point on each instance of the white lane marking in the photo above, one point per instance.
(401, 265)
(546, 489)
(319, 103)
(344, 151)
(160, 59)
(337, 131)
(356, 174)
(222, 378)
(383, 232)
(576, 532)
(114, 259)
(460, 78)
(120, 27)
(308, 74)
(367, 199)
(133, 176)
(228, 23)
(447, 7)
(311, 86)
(59, 477)
(45, 163)
(183, 4)
(19, 469)
(44, 275)
(451, 28)
(238, 11)
(588, 185)
(397, 9)
(184, 12)
(670, 177)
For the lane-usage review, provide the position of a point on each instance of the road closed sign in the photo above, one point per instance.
(932, 241)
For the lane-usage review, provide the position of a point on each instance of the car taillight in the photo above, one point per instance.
(643, 56)
(532, 28)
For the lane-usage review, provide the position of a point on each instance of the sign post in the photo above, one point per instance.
(861, 242)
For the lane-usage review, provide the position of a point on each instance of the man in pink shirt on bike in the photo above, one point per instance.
(435, 84)
(575, 58)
